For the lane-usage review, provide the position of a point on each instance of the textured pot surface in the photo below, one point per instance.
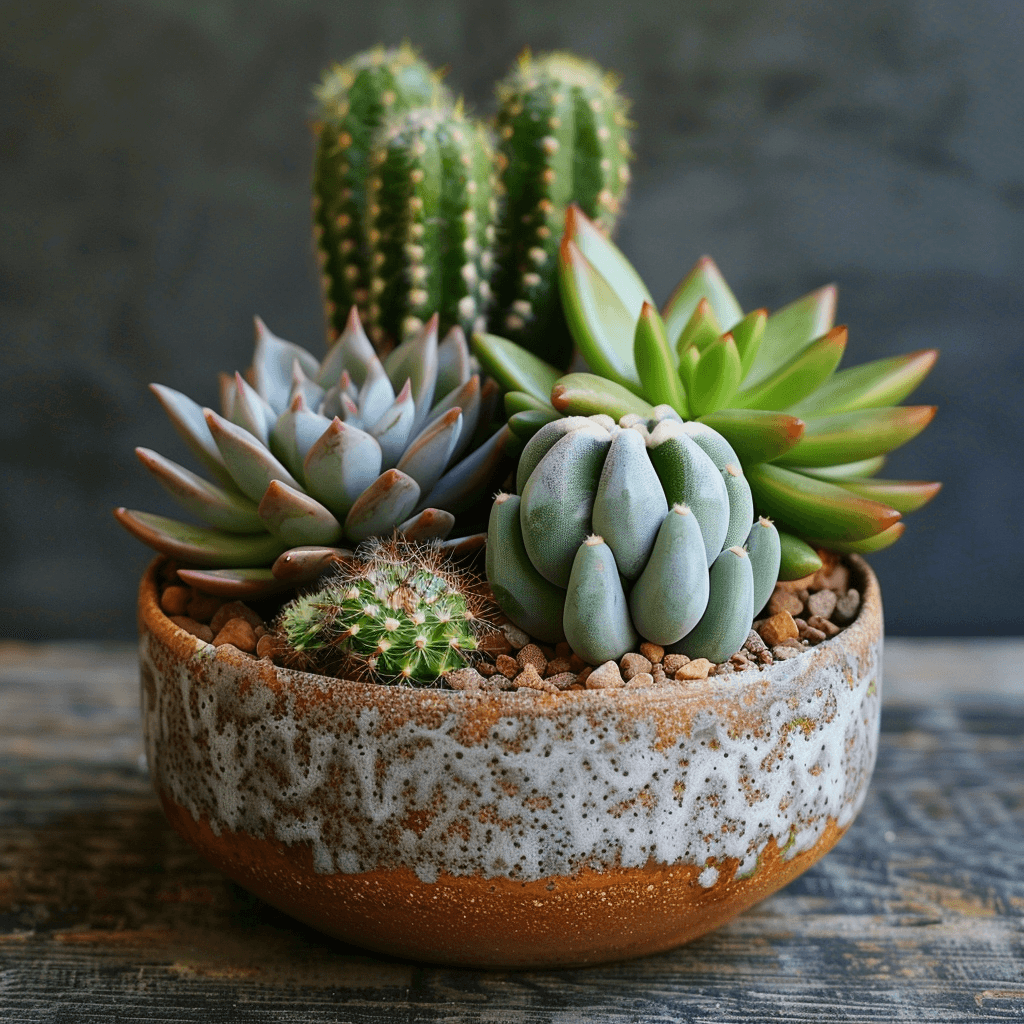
(514, 828)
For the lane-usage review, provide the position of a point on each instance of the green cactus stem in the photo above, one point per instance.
(353, 101)
(430, 206)
(562, 130)
(397, 612)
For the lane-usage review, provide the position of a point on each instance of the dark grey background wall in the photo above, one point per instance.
(154, 168)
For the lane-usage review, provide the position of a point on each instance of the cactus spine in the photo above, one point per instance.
(430, 200)
(353, 101)
(633, 478)
(562, 131)
(398, 611)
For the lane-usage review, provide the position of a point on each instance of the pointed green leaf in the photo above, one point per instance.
(520, 401)
(415, 360)
(352, 352)
(848, 436)
(903, 495)
(428, 455)
(689, 360)
(382, 506)
(878, 383)
(748, 334)
(525, 424)
(791, 328)
(272, 365)
(716, 377)
(867, 546)
(341, 465)
(601, 324)
(756, 435)
(796, 379)
(251, 465)
(395, 428)
(701, 331)
(846, 470)
(467, 481)
(655, 365)
(453, 363)
(297, 518)
(704, 281)
(816, 508)
(513, 367)
(585, 394)
(188, 420)
(200, 545)
(798, 558)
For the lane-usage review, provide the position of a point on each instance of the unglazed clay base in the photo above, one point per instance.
(515, 828)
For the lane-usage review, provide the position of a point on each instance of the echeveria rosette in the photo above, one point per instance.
(307, 455)
(810, 438)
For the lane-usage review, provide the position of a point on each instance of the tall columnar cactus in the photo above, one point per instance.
(562, 133)
(309, 453)
(430, 204)
(641, 529)
(397, 612)
(353, 100)
(810, 438)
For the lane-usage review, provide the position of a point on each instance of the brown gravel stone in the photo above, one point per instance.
(515, 636)
(782, 653)
(783, 600)
(652, 652)
(563, 680)
(234, 610)
(531, 654)
(270, 646)
(605, 677)
(822, 603)
(757, 647)
(830, 629)
(238, 632)
(191, 626)
(632, 664)
(485, 668)
(557, 666)
(576, 663)
(583, 675)
(793, 642)
(836, 578)
(641, 681)
(202, 607)
(502, 682)
(174, 600)
(507, 665)
(696, 669)
(531, 679)
(778, 628)
(465, 679)
(494, 643)
(815, 636)
(846, 608)
(674, 662)
(658, 673)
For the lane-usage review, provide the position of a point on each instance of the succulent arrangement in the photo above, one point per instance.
(628, 532)
(397, 611)
(416, 212)
(810, 439)
(308, 455)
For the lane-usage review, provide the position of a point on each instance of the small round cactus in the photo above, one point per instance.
(397, 612)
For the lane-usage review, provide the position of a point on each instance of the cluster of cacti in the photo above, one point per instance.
(410, 198)
(810, 439)
(311, 453)
(641, 530)
(397, 611)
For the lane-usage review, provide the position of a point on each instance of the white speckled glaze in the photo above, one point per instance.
(523, 785)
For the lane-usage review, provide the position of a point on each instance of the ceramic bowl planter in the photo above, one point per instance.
(510, 829)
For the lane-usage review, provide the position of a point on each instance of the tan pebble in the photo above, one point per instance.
(563, 650)
(652, 652)
(202, 607)
(234, 610)
(501, 682)
(846, 608)
(507, 665)
(605, 677)
(783, 600)
(822, 604)
(658, 675)
(674, 662)
(836, 578)
(465, 679)
(494, 643)
(583, 675)
(563, 680)
(174, 600)
(531, 654)
(557, 666)
(633, 663)
(815, 636)
(515, 636)
(237, 632)
(193, 627)
(530, 678)
(782, 652)
(261, 631)
(830, 629)
(696, 669)
(485, 668)
(270, 646)
(576, 663)
(778, 628)
(641, 681)
(793, 642)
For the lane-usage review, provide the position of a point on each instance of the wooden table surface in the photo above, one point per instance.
(917, 915)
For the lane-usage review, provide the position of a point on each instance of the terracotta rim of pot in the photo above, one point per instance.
(401, 887)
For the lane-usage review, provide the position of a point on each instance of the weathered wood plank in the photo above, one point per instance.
(106, 915)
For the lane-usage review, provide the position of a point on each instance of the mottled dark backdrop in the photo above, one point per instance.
(154, 168)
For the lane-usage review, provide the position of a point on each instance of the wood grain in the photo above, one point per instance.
(106, 915)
